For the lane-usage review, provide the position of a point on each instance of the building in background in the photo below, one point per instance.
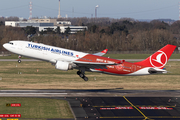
(63, 23)
(44, 24)
(73, 29)
(45, 20)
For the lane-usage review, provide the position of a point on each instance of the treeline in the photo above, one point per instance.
(114, 34)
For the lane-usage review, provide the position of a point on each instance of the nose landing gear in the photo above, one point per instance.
(19, 61)
(81, 74)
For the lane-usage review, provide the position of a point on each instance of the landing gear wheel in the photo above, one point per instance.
(78, 72)
(19, 61)
(81, 75)
(85, 78)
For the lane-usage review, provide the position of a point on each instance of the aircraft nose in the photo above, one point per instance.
(5, 45)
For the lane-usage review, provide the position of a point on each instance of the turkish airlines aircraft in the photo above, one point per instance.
(65, 59)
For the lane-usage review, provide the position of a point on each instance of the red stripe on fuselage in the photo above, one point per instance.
(123, 68)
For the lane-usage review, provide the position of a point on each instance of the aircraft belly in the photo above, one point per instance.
(143, 71)
(124, 72)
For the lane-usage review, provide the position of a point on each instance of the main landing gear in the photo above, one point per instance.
(19, 61)
(81, 74)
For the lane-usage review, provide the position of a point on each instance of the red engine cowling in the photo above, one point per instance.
(61, 65)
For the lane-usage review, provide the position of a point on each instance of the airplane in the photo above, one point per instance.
(65, 59)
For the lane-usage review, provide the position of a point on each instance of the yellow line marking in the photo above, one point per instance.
(12, 119)
(124, 117)
(142, 117)
(135, 108)
(114, 106)
(134, 105)
(164, 116)
(153, 106)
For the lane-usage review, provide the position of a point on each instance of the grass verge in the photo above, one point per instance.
(42, 108)
(25, 76)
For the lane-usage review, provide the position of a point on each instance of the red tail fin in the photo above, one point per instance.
(159, 58)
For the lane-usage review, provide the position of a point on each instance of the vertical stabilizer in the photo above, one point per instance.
(159, 58)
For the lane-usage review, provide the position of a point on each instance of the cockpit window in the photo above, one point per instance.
(11, 43)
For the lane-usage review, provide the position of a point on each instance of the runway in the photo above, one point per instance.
(90, 93)
(112, 104)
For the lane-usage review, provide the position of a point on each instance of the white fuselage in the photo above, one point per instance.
(43, 52)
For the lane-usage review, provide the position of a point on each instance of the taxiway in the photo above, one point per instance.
(112, 104)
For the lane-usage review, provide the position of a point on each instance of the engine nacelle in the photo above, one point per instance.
(61, 65)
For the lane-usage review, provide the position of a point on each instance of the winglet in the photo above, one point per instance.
(101, 53)
(104, 51)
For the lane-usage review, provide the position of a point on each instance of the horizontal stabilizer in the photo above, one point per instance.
(156, 71)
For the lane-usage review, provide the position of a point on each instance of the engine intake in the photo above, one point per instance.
(61, 65)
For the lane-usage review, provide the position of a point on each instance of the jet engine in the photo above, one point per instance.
(61, 65)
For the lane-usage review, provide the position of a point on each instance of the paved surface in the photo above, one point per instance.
(89, 93)
(113, 104)
(131, 108)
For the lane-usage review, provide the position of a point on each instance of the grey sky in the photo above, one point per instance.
(137, 9)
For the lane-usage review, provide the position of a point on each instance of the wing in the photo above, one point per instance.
(94, 65)
(101, 53)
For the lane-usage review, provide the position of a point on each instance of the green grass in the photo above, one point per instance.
(36, 107)
(49, 78)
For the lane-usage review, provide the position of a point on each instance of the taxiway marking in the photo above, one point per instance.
(134, 105)
(124, 117)
(145, 117)
(152, 117)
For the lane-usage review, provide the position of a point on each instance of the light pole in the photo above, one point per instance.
(96, 10)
